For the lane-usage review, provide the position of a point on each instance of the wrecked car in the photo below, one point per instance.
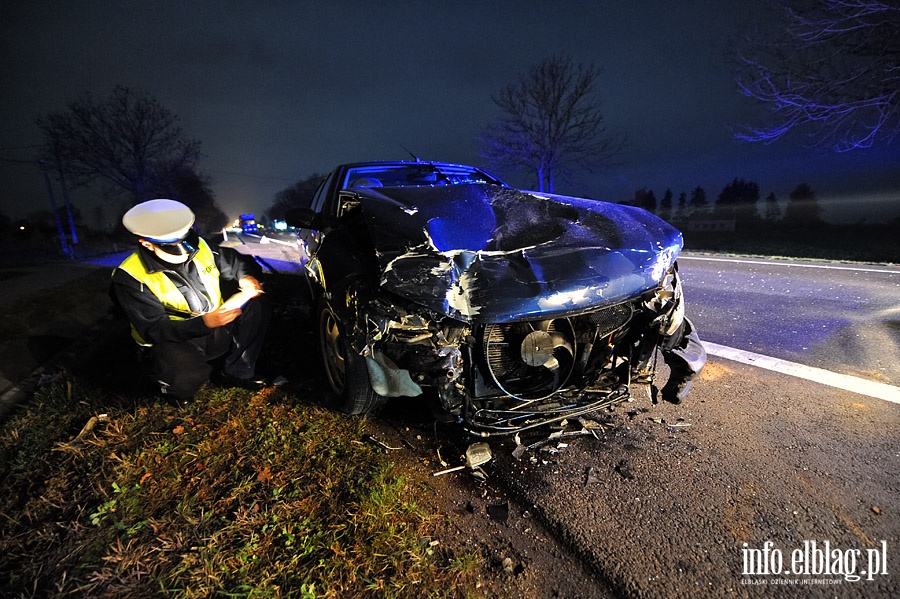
(506, 309)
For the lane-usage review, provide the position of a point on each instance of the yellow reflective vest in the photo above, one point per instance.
(165, 290)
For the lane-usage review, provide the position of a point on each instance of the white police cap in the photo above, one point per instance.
(161, 220)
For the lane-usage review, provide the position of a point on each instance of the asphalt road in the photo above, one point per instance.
(841, 317)
(276, 251)
(759, 479)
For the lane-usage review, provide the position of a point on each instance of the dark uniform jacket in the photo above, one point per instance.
(147, 313)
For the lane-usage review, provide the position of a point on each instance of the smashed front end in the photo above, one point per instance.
(510, 309)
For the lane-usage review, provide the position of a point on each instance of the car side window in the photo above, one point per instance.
(322, 193)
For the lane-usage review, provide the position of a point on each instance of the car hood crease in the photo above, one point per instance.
(496, 254)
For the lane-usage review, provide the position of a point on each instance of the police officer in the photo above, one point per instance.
(170, 291)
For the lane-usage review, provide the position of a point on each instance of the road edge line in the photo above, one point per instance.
(819, 375)
(790, 264)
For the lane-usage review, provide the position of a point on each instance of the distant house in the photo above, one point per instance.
(719, 225)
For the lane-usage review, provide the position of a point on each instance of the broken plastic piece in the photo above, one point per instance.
(476, 455)
(479, 473)
(371, 439)
(519, 450)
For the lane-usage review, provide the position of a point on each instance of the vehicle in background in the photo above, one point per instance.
(248, 223)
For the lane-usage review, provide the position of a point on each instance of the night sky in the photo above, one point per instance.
(279, 90)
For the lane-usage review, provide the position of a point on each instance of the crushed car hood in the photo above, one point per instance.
(484, 253)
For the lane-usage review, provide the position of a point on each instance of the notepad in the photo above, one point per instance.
(240, 298)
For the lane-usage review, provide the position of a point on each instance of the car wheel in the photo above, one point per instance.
(345, 370)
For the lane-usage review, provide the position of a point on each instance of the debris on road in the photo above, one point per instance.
(476, 455)
(588, 427)
(624, 470)
(78, 442)
(380, 444)
(679, 424)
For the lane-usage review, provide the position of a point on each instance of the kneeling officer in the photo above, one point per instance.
(170, 291)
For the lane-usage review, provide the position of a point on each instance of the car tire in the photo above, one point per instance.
(345, 370)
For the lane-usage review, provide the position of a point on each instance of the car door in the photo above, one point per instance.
(309, 239)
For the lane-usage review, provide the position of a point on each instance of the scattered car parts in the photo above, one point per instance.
(476, 455)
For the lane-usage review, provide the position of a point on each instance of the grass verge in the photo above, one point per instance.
(239, 495)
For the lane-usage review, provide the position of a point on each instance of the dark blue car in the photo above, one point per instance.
(506, 309)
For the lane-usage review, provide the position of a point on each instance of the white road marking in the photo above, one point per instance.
(819, 375)
(264, 239)
(788, 264)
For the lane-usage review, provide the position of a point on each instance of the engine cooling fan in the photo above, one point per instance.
(530, 360)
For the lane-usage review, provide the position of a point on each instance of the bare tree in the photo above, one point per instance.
(833, 70)
(194, 190)
(551, 122)
(128, 139)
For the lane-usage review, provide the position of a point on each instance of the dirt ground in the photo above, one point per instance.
(522, 557)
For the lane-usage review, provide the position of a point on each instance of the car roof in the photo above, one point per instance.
(405, 163)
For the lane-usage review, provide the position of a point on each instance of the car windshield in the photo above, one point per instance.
(414, 174)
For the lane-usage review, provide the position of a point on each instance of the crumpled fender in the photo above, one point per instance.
(683, 352)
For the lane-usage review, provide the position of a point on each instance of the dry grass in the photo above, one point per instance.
(240, 495)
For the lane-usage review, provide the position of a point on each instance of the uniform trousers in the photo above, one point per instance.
(182, 367)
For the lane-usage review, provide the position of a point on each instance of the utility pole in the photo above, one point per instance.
(65, 194)
(59, 229)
